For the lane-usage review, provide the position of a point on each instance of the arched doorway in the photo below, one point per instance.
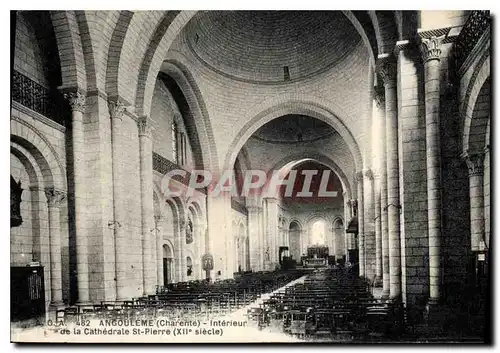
(189, 269)
(338, 240)
(294, 232)
(242, 248)
(168, 264)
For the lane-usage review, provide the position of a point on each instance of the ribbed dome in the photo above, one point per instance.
(258, 45)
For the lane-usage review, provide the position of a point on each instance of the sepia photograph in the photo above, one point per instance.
(251, 176)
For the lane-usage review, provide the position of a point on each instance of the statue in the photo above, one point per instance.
(189, 232)
(15, 203)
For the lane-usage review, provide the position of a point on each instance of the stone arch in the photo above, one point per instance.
(321, 158)
(295, 229)
(30, 163)
(115, 52)
(339, 238)
(377, 30)
(42, 151)
(70, 49)
(168, 249)
(362, 33)
(338, 219)
(297, 222)
(87, 50)
(477, 82)
(387, 30)
(198, 119)
(162, 39)
(290, 104)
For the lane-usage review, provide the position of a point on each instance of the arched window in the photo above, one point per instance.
(189, 231)
(318, 233)
(189, 264)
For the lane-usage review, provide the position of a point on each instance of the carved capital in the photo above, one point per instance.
(116, 109)
(76, 101)
(430, 48)
(358, 177)
(253, 208)
(54, 197)
(388, 71)
(144, 125)
(475, 163)
(369, 174)
(379, 96)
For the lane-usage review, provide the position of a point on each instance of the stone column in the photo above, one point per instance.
(77, 103)
(361, 224)
(353, 212)
(378, 233)
(380, 101)
(159, 249)
(262, 240)
(369, 224)
(54, 199)
(431, 52)
(219, 225)
(487, 193)
(347, 219)
(116, 109)
(182, 248)
(272, 231)
(475, 164)
(389, 74)
(147, 213)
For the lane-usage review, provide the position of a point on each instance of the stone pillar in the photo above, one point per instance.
(361, 224)
(219, 225)
(159, 249)
(369, 224)
(487, 193)
(378, 233)
(116, 109)
(475, 164)
(431, 52)
(353, 212)
(77, 103)
(54, 199)
(178, 240)
(148, 237)
(272, 231)
(262, 240)
(380, 101)
(388, 73)
(183, 254)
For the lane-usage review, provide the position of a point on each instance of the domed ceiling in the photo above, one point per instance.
(271, 46)
(293, 129)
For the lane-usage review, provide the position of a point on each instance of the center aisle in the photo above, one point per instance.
(253, 334)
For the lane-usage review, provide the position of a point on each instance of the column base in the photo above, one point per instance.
(378, 281)
(434, 312)
(87, 302)
(57, 305)
(385, 295)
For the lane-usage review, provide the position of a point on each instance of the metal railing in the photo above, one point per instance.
(477, 23)
(37, 97)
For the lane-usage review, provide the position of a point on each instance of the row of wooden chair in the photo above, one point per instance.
(186, 299)
(331, 303)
